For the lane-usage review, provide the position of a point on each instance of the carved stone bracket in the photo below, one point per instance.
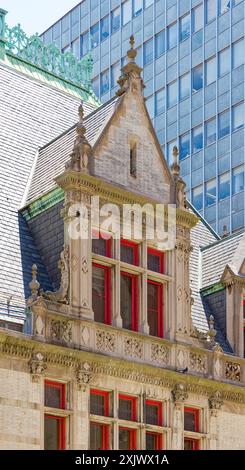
(84, 375)
(215, 402)
(179, 394)
(37, 366)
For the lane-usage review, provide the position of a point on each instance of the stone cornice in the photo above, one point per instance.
(11, 344)
(229, 278)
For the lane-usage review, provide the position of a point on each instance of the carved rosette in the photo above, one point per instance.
(179, 394)
(37, 366)
(133, 348)
(233, 371)
(215, 403)
(84, 375)
(105, 341)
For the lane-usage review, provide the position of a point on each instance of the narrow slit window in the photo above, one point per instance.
(133, 158)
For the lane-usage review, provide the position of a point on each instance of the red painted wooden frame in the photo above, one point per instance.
(158, 405)
(132, 437)
(97, 235)
(107, 298)
(62, 388)
(105, 436)
(133, 401)
(158, 438)
(135, 247)
(194, 442)
(134, 279)
(160, 255)
(196, 414)
(61, 430)
(160, 299)
(106, 396)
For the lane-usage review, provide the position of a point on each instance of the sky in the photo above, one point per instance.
(35, 15)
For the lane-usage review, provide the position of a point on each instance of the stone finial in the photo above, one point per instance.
(82, 149)
(179, 184)
(215, 402)
(130, 78)
(212, 332)
(3, 14)
(175, 168)
(37, 366)
(179, 393)
(34, 284)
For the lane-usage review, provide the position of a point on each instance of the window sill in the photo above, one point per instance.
(57, 412)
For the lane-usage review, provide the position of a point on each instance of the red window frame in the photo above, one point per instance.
(106, 396)
(134, 299)
(194, 442)
(97, 235)
(158, 405)
(107, 298)
(105, 428)
(160, 311)
(62, 430)
(196, 413)
(61, 387)
(135, 247)
(132, 437)
(158, 438)
(160, 255)
(134, 405)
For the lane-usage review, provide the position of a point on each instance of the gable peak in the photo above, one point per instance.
(130, 78)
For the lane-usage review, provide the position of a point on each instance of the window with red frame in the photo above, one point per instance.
(54, 433)
(155, 261)
(101, 293)
(191, 444)
(155, 308)
(54, 394)
(127, 408)
(191, 419)
(99, 436)
(153, 413)
(129, 252)
(101, 244)
(129, 301)
(127, 438)
(99, 402)
(153, 441)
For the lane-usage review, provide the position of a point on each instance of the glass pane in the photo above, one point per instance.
(104, 28)
(124, 439)
(151, 441)
(152, 414)
(51, 433)
(184, 86)
(126, 302)
(98, 294)
(104, 82)
(210, 132)
(211, 71)
(115, 20)
(128, 253)
(185, 28)
(184, 146)
(94, 31)
(238, 179)
(197, 139)
(96, 436)
(153, 309)
(99, 246)
(224, 6)
(197, 18)
(126, 12)
(238, 54)
(238, 117)
(148, 52)
(210, 10)
(189, 444)
(125, 409)
(160, 101)
(172, 94)
(224, 124)
(197, 197)
(138, 5)
(84, 44)
(115, 74)
(189, 421)
(172, 35)
(210, 192)
(160, 44)
(224, 186)
(53, 396)
(224, 61)
(154, 262)
(197, 78)
(97, 404)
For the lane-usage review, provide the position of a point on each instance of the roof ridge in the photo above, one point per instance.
(229, 237)
(216, 235)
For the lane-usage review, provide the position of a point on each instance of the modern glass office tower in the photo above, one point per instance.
(192, 52)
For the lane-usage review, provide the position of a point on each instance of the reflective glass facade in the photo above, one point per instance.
(192, 52)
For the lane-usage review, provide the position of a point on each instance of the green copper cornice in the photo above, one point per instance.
(42, 204)
(211, 290)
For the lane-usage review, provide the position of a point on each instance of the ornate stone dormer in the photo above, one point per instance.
(80, 156)
(131, 73)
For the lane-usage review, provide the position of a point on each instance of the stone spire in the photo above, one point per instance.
(130, 78)
(179, 184)
(82, 149)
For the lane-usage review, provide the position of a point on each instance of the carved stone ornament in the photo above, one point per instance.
(133, 348)
(215, 402)
(84, 375)
(61, 330)
(79, 158)
(179, 393)
(61, 294)
(233, 371)
(198, 363)
(105, 341)
(160, 354)
(37, 366)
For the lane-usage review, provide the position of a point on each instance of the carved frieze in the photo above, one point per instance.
(198, 363)
(133, 348)
(105, 341)
(233, 371)
(61, 330)
(160, 354)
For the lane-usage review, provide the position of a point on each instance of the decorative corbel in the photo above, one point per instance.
(215, 402)
(84, 375)
(179, 394)
(37, 366)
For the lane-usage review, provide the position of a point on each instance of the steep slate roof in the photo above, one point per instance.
(52, 157)
(33, 111)
(216, 256)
